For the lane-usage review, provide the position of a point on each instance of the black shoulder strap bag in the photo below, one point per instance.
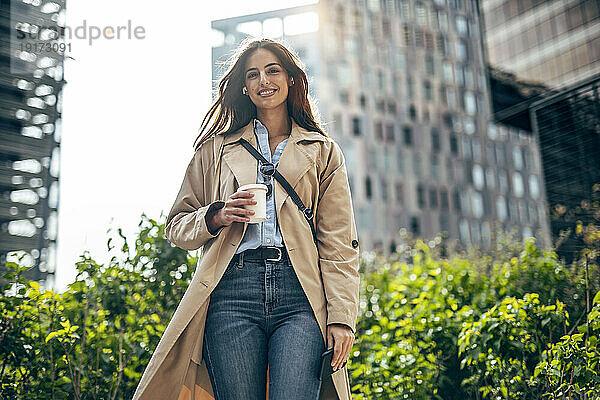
(267, 168)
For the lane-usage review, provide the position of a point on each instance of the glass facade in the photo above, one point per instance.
(556, 43)
(415, 101)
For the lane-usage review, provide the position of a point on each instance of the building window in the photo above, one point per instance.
(400, 60)
(368, 188)
(457, 200)
(532, 213)
(399, 193)
(461, 50)
(344, 97)
(451, 98)
(477, 204)
(378, 130)
(517, 157)
(392, 107)
(429, 66)
(502, 181)
(489, 152)
(386, 158)
(418, 167)
(444, 199)
(501, 208)
(435, 168)
(428, 91)
(421, 14)
(476, 144)
(442, 20)
(356, 126)
(528, 159)
(453, 144)
(478, 177)
(389, 132)
(486, 233)
(517, 182)
(433, 198)
(414, 226)
(357, 21)
(404, 8)
(466, 147)
(465, 204)
(407, 34)
(475, 232)
(468, 78)
(435, 140)
(421, 196)
(463, 230)
(363, 101)
(461, 25)
(459, 75)
(373, 5)
(339, 15)
(380, 83)
(512, 210)
(380, 105)
(413, 112)
(470, 106)
(409, 87)
(447, 71)
(490, 178)
(401, 162)
(534, 187)
(444, 223)
(384, 189)
(500, 154)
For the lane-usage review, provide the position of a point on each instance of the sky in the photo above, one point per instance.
(131, 110)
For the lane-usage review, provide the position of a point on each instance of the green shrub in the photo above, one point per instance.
(468, 326)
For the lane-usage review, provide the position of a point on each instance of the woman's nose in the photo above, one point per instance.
(263, 79)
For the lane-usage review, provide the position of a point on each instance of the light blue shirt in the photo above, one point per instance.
(267, 232)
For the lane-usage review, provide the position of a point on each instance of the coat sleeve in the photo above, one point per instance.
(337, 242)
(186, 222)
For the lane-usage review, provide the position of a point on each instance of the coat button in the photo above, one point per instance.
(355, 243)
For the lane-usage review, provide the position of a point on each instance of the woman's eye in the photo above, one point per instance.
(251, 75)
(274, 70)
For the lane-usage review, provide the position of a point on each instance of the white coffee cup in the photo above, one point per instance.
(260, 195)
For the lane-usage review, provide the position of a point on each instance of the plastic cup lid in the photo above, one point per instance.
(254, 186)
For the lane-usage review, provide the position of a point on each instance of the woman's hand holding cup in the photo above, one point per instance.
(233, 210)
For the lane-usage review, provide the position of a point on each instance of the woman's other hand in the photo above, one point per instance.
(341, 338)
(232, 211)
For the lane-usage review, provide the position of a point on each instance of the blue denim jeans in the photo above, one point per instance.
(259, 314)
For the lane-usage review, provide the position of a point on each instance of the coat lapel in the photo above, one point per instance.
(295, 160)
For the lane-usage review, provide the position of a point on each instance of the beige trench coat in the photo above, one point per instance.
(315, 167)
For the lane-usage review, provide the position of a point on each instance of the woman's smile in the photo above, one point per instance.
(267, 92)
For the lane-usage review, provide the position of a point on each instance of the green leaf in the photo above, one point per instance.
(50, 336)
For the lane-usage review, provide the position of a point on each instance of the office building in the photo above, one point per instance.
(402, 86)
(545, 58)
(31, 80)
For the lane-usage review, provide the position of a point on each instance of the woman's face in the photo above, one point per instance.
(266, 80)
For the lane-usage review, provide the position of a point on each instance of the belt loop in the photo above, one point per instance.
(241, 260)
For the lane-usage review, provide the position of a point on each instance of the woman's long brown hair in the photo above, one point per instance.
(233, 110)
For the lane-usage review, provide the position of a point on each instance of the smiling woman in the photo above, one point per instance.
(266, 300)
